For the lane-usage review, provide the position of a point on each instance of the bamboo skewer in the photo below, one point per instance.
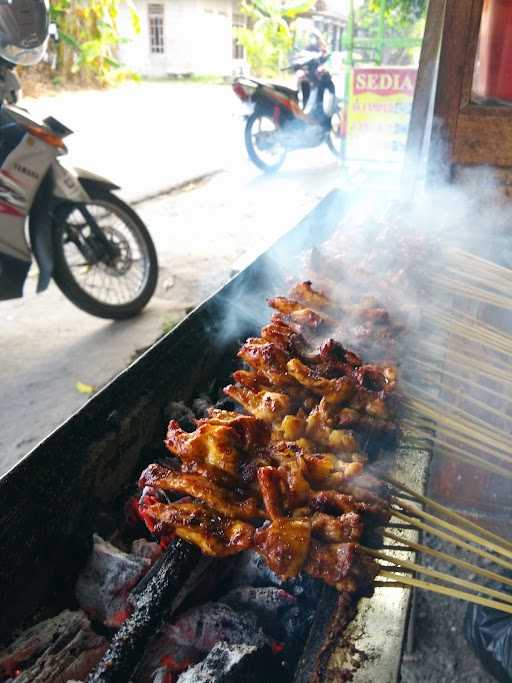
(467, 359)
(429, 368)
(449, 512)
(471, 399)
(458, 453)
(484, 265)
(449, 559)
(454, 413)
(469, 436)
(469, 362)
(436, 574)
(495, 283)
(462, 456)
(451, 539)
(462, 421)
(443, 590)
(472, 333)
(470, 291)
(470, 327)
(453, 528)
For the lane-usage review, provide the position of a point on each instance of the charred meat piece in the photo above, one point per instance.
(337, 440)
(214, 534)
(269, 406)
(253, 433)
(251, 379)
(212, 449)
(345, 528)
(216, 497)
(305, 293)
(268, 359)
(283, 335)
(342, 565)
(336, 391)
(335, 502)
(376, 378)
(271, 487)
(298, 313)
(322, 466)
(284, 544)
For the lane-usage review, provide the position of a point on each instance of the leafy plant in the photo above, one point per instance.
(89, 39)
(269, 38)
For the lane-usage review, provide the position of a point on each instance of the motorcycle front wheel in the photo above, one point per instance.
(105, 261)
(263, 147)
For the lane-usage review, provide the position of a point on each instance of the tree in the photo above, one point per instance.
(269, 38)
(402, 19)
(89, 39)
(400, 12)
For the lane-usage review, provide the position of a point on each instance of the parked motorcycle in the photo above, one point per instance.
(282, 119)
(96, 248)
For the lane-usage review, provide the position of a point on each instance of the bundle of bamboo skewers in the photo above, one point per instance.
(463, 533)
(459, 395)
(458, 401)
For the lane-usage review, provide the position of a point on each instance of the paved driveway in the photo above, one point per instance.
(149, 136)
(48, 345)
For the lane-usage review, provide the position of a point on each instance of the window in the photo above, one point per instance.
(156, 28)
(239, 21)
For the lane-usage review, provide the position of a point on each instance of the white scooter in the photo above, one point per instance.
(96, 248)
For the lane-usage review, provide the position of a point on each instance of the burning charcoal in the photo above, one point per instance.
(195, 632)
(252, 570)
(297, 622)
(164, 659)
(103, 586)
(267, 603)
(304, 587)
(228, 663)
(177, 410)
(54, 651)
(146, 549)
(203, 626)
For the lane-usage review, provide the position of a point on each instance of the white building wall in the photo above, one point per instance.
(198, 38)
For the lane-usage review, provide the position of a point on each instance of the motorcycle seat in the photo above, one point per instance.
(290, 92)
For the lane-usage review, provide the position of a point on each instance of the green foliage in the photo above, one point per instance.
(269, 39)
(89, 38)
(402, 19)
(400, 13)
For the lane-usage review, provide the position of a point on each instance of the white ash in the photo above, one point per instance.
(194, 634)
(203, 626)
(104, 585)
(146, 549)
(228, 663)
(270, 604)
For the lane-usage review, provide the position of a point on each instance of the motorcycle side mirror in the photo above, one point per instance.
(53, 32)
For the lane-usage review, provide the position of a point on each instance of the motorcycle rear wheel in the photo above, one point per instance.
(109, 275)
(336, 140)
(257, 154)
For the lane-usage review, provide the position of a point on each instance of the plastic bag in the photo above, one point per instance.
(489, 634)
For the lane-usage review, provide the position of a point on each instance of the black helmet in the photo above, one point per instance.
(24, 29)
